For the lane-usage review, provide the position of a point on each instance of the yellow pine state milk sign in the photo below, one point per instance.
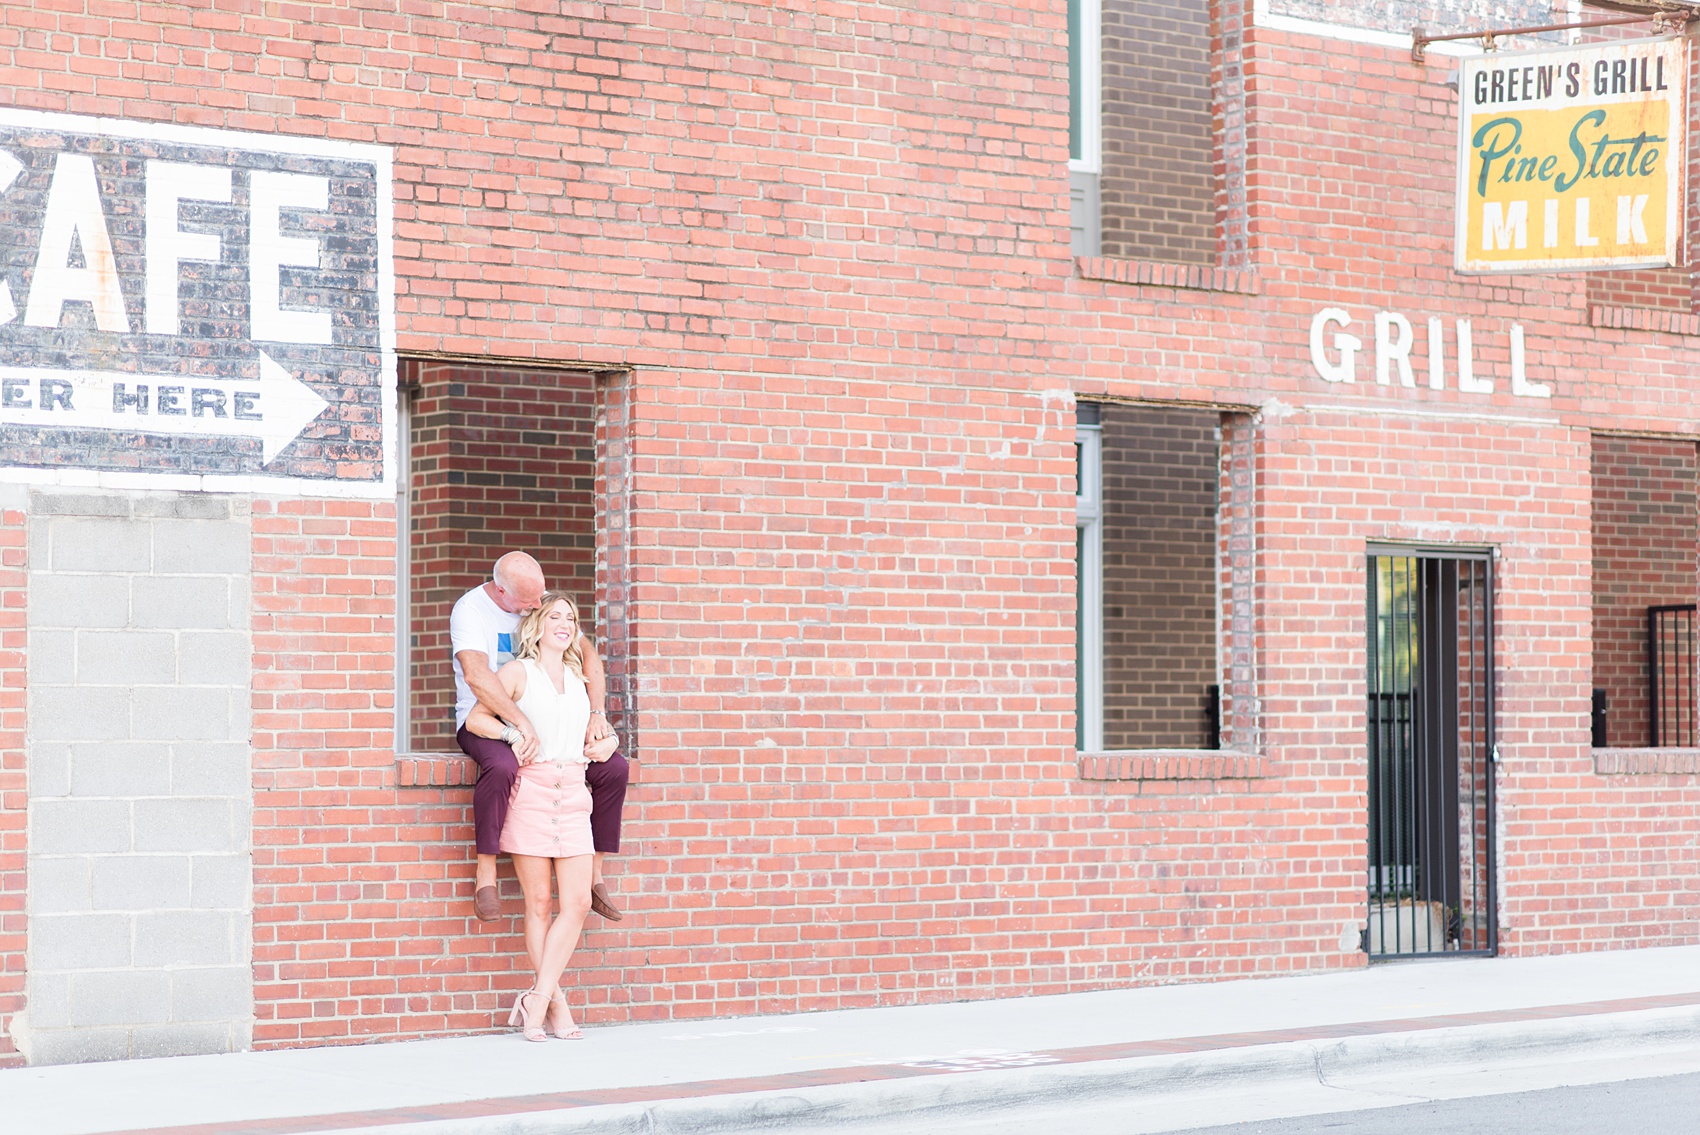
(1572, 159)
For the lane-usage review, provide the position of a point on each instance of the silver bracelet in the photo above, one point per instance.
(510, 736)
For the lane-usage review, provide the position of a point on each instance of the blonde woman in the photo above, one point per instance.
(547, 830)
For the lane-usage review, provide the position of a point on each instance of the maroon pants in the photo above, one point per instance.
(498, 768)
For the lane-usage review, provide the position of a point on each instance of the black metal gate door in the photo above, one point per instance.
(1670, 675)
(1431, 875)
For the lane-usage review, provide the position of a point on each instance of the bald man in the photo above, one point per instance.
(481, 634)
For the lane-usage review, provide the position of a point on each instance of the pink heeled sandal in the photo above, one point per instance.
(570, 1031)
(521, 1020)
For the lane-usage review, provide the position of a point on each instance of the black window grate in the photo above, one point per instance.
(1670, 675)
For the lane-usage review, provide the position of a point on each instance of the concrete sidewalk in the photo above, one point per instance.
(826, 1069)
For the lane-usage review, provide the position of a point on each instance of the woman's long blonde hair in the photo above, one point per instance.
(530, 633)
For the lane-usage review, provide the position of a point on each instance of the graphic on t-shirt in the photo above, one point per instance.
(504, 650)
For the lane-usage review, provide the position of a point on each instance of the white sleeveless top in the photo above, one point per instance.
(560, 719)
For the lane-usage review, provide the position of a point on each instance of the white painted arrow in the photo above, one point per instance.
(275, 408)
(291, 406)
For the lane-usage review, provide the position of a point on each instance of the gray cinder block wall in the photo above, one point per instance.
(140, 896)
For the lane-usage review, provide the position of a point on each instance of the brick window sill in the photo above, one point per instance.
(1644, 319)
(1170, 764)
(1167, 275)
(434, 770)
(1647, 762)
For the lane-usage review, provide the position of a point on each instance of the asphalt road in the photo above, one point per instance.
(1628, 1107)
(1609, 1093)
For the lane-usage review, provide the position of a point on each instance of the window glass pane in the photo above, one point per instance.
(1079, 637)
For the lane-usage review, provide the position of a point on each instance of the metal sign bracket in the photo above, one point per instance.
(1664, 22)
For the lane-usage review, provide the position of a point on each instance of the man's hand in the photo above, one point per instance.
(599, 727)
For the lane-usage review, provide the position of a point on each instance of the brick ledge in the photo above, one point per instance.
(1647, 762)
(434, 770)
(1644, 319)
(1167, 275)
(1170, 764)
(437, 770)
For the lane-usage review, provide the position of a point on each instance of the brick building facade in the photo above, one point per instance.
(761, 326)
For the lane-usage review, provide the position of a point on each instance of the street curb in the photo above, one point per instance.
(962, 1095)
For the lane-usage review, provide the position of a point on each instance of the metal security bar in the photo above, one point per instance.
(1431, 879)
(1670, 675)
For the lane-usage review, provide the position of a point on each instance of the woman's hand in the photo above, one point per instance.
(600, 749)
(522, 741)
(527, 748)
(518, 736)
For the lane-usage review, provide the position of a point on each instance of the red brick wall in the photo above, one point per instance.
(501, 458)
(1160, 485)
(1236, 573)
(340, 872)
(1646, 549)
(1157, 188)
(13, 799)
(615, 631)
(1330, 483)
(362, 927)
(1664, 289)
(831, 248)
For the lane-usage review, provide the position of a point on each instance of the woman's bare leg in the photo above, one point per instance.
(574, 877)
(534, 881)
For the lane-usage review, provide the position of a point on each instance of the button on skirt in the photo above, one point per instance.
(550, 812)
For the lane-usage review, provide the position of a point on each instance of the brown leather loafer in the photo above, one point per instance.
(487, 904)
(603, 905)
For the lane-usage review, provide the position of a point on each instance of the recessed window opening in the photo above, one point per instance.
(1646, 545)
(1142, 178)
(498, 459)
(1147, 523)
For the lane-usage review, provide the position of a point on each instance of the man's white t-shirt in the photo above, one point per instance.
(478, 624)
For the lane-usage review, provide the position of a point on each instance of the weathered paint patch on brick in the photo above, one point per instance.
(212, 340)
(1437, 18)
